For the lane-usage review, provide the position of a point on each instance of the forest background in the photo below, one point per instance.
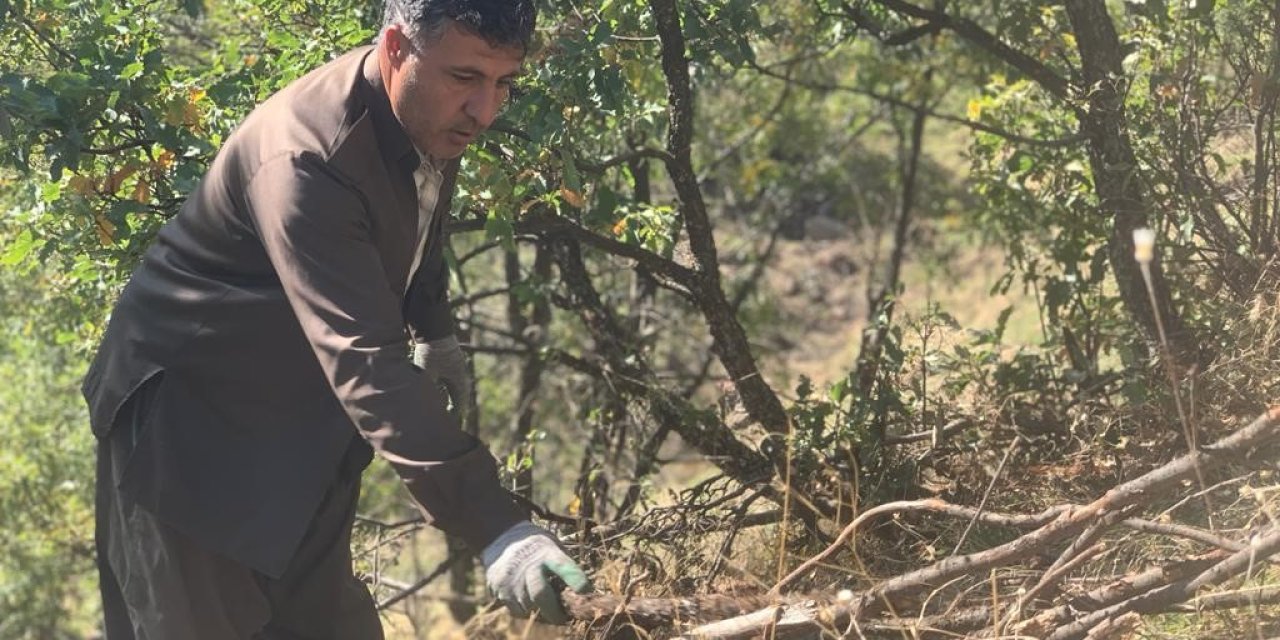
(732, 275)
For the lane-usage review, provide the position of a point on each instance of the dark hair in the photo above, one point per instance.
(502, 23)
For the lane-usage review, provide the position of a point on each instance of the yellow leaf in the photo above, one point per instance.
(165, 160)
(190, 114)
(620, 227)
(46, 21)
(82, 185)
(575, 506)
(195, 94)
(116, 180)
(106, 230)
(574, 198)
(142, 191)
(975, 109)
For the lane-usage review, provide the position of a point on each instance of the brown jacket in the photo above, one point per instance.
(272, 304)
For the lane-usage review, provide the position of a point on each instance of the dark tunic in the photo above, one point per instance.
(274, 306)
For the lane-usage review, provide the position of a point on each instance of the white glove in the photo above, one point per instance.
(517, 566)
(443, 358)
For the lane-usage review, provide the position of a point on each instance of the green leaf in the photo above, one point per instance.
(1002, 322)
(572, 181)
(499, 228)
(18, 250)
(51, 191)
(132, 70)
(838, 390)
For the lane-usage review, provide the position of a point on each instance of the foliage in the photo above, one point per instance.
(46, 467)
(116, 108)
(802, 112)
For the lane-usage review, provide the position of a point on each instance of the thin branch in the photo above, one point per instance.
(982, 504)
(989, 42)
(748, 136)
(419, 584)
(921, 436)
(1159, 599)
(114, 149)
(680, 275)
(1066, 141)
(634, 154)
(929, 504)
(1183, 531)
(49, 42)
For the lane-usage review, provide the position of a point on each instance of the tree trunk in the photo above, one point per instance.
(881, 297)
(730, 341)
(1115, 175)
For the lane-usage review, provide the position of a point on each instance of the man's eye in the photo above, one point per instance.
(462, 77)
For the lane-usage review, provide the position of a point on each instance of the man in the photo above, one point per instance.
(258, 358)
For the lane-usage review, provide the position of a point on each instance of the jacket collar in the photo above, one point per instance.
(392, 138)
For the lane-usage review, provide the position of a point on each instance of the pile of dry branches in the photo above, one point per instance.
(963, 596)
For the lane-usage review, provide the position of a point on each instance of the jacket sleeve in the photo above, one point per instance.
(317, 236)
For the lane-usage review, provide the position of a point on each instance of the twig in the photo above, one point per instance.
(1050, 577)
(1253, 440)
(921, 436)
(987, 494)
(930, 504)
(1183, 531)
(1163, 597)
(1144, 241)
(1234, 599)
(1084, 541)
(394, 524)
(420, 583)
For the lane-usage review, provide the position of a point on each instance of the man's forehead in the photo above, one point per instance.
(461, 46)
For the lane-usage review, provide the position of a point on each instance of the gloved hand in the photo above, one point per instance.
(517, 568)
(443, 358)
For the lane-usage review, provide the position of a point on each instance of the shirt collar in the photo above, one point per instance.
(425, 160)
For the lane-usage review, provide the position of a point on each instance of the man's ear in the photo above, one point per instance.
(395, 45)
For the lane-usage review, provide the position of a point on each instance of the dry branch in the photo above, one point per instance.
(1160, 599)
(1145, 593)
(1116, 591)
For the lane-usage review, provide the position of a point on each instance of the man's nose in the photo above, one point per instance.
(483, 105)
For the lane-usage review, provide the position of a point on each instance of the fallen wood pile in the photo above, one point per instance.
(958, 597)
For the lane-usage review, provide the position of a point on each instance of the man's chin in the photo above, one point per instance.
(448, 151)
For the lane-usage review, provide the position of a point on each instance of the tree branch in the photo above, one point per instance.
(548, 223)
(1065, 141)
(730, 341)
(969, 30)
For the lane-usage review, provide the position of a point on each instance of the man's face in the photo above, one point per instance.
(448, 91)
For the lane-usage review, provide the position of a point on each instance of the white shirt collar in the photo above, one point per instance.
(426, 160)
